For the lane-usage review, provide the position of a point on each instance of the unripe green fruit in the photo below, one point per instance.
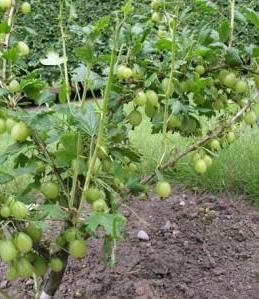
(208, 160)
(124, 72)
(2, 126)
(40, 266)
(10, 123)
(23, 49)
(92, 194)
(19, 210)
(12, 273)
(168, 88)
(186, 86)
(5, 212)
(140, 99)
(5, 4)
(133, 167)
(215, 145)
(242, 103)
(23, 243)
(231, 137)
(157, 17)
(150, 110)
(20, 132)
(230, 80)
(99, 205)
(200, 166)
(40, 167)
(163, 189)
(241, 86)
(195, 158)
(250, 118)
(56, 264)
(34, 232)
(135, 118)
(25, 268)
(8, 251)
(71, 234)
(26, 8)
(222, 75)
(14, 86)
(200, 69)
(156, 4)
(50, 190)
(77, 249)
(174, 122)
(218, 105)
(152, 98)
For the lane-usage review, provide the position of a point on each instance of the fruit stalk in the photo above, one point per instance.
(210, 136)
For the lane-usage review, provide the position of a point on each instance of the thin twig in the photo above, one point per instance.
(209, 136)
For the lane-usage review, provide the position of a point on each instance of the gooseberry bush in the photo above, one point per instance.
(77, 154)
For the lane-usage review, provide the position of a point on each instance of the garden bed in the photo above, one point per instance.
(201, 246)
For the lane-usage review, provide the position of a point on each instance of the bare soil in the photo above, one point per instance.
(201, 246)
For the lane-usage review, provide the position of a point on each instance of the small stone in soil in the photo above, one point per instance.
(143, 236)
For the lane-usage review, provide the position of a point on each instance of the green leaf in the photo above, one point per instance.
(85, 119)
(4, 27)
(63, 92)
(52, 211)
(151, 80)
(232, 57)
(32, 87)
(251, 16)
(164, 44)
(52, 59)
(5, 177)
(46, 97)
(112, 223)
(11, 55)
(86, 53)
(224, 31)
(127, 8)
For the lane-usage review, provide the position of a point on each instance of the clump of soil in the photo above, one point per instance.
(201, 247)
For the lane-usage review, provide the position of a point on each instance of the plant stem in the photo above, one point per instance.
(7, 37)
(102, 116)
(76, 172)
(64, 47)
(44, 151)
(172, 29)
(232, 22)
(54, 279)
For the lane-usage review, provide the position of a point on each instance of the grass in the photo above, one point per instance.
(235, 168)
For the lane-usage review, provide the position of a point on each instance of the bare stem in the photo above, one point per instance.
(7, 37)
(43, 149)
(232, 21)
(103, 115)
(63, 37)
(54, 279)
(172, 28)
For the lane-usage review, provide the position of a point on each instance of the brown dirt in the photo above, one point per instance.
(192, 253)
